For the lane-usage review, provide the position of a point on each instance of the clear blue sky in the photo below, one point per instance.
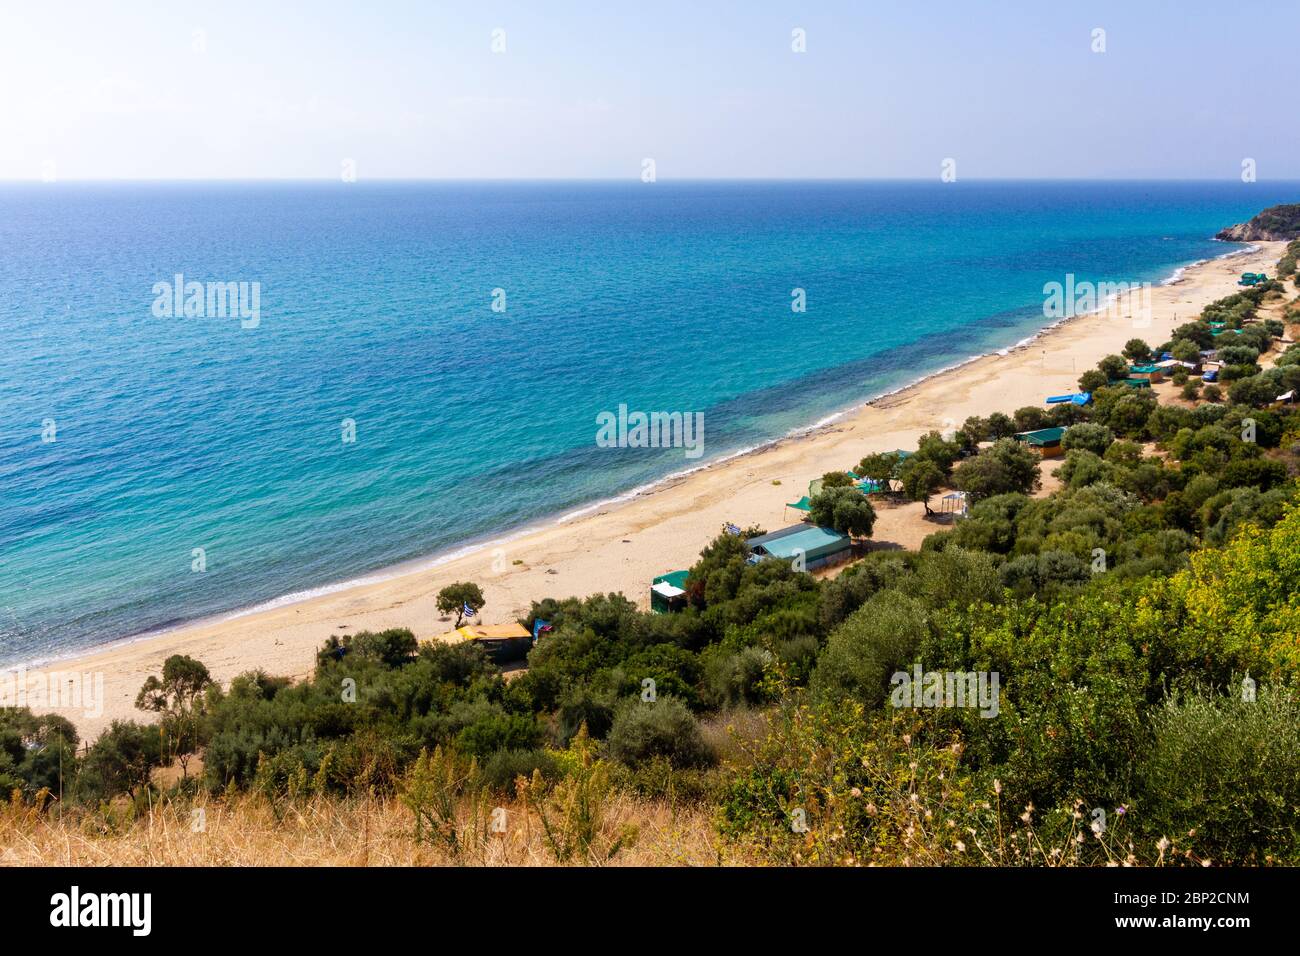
(588, 89)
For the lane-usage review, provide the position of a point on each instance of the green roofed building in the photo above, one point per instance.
(668, 592)
(820, 547)
(1151, 373)
(1046, 440)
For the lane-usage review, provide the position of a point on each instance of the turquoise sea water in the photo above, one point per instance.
(172, 434)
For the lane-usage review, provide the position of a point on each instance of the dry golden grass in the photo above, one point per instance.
(247, 830)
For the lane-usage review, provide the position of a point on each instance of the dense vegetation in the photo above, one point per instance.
(1143, 621)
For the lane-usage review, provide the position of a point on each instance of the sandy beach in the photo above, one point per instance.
(621, 547)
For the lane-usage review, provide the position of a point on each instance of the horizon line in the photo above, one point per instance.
(37, 181)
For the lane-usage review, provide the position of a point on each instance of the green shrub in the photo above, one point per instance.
(658, 779)
(843, 595)
(584, 706)
(663, 728)
(1005, 467)
(497, 730)
(1088, 436)
(120, 761)
(1229, 769)
(880, 638)
(736, 677)
(503, 767)
(847, 510)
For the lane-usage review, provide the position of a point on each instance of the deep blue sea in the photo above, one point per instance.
(376, 305)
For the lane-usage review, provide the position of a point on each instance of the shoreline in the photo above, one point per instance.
(272, 635)
(476, 545)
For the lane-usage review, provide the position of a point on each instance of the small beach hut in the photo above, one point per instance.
(819, 547)
(1152, 373)
(1046, 441)
(503, 643)
(668, 592)
(1169, 365)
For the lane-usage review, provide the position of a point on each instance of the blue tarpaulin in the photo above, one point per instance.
(1082, 398)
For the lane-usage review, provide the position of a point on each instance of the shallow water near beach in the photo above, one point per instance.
(376, 306)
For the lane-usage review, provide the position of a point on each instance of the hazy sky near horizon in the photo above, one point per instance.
(406, 89)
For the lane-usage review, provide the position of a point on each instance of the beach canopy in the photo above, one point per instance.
(1286, 396)
(671, 584)
(954, 502)
(803, 504)
(868, 485)
(1079, 398)
(668, 592)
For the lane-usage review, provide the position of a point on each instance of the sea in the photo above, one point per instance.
(216, 397)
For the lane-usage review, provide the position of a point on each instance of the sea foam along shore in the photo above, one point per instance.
(620, 544)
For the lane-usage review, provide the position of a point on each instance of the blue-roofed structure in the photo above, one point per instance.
(819, 546)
